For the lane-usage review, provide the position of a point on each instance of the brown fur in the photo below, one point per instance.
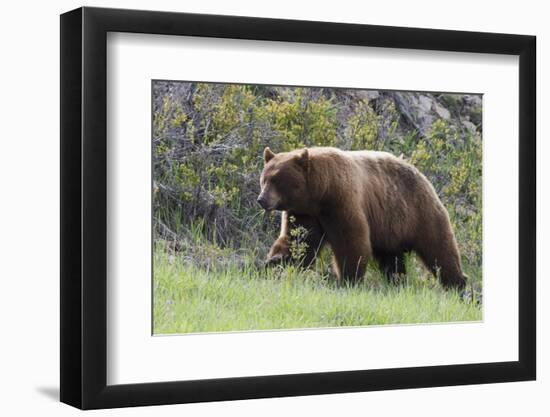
(364, 204)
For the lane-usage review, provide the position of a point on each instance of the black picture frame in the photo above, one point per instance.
(84, 207)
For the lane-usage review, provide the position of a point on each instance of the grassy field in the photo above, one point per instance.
(190, 298)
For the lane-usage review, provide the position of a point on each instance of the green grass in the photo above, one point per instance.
(209, 297)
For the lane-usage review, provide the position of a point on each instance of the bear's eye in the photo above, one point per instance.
(277, 179)
(284, 182)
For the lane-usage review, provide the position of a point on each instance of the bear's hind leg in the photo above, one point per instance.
(443, 260)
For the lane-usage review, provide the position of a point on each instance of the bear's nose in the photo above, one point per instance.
(262, 201)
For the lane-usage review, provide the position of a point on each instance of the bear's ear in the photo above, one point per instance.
(268, 155)
(303, 159)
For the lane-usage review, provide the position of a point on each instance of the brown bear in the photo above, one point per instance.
(363, 204)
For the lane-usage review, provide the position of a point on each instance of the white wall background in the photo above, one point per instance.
(29, 225)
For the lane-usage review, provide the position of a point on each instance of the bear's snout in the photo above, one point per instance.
(262, 201)
(269, 198)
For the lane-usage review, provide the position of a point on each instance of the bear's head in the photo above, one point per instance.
(284, 181)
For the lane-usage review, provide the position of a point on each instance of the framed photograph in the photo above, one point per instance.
(257, 208)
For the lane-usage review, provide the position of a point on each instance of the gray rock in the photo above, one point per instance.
(425, 103)
(469, 125)
(442, 111)
(372, 95)
(472, 100)
(367, 95)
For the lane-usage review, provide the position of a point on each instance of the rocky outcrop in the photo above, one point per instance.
(419, 110)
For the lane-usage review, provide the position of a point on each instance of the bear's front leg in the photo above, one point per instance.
(312, 237)
(348, 235)
(279, 252)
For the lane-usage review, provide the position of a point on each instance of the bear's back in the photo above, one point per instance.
(398, 198)
(392, 177)
(390, 169)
